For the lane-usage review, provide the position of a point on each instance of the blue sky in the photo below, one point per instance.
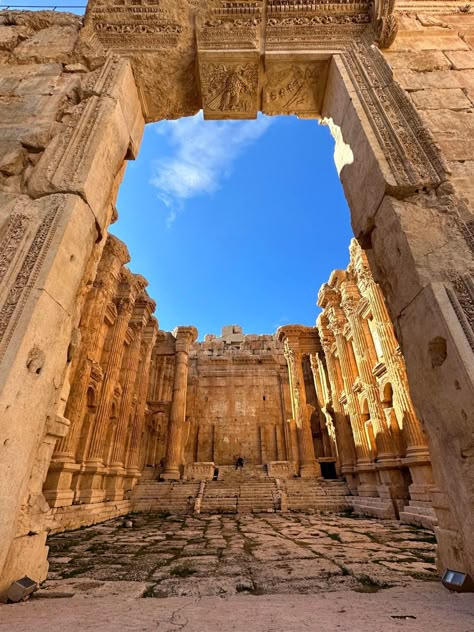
(234, 222)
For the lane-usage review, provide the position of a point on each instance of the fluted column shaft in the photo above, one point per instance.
(96, 447)
(301, 412)
(361, 442)
(320, 383)
(344, 439)
(413, 432)
(185, 335)
(142, 390)
(128, 384)
(89, 353)
(385, 444)
(177, 414)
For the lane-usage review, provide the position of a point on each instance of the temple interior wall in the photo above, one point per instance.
(71, 113)
(236, 404)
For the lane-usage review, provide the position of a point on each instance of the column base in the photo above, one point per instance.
(367, 479)
(349, 473)
(114, 485)
(131, 478)
(58, 485)
(90, 481)
(393, 484)
(422, 477)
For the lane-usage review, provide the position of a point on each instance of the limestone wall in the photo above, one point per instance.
(433, 60)
(65, 129)
(237, 400)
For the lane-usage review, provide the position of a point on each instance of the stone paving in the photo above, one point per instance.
(258, 554)
(220, 573)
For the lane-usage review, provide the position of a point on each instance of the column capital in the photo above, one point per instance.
(300, 338)
(328, 296)
(351, 297)
(185, 336)
(325, 333)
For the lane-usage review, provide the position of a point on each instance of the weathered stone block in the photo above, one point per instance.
(440, 98)
(9, 37)
(86, 158)
(428, 40)
(456, 149)
(411, 80)
(53, 44)
(363, 191)
(420, 234)
(461, 60)
(123, 89)
(16, 109)
(443, 384)
(453, 124)
(12, 158)
(422, 61)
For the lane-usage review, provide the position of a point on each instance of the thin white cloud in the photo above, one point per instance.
(203, 155)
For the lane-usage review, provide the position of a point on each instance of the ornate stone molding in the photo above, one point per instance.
(385, 22)
(405, 141)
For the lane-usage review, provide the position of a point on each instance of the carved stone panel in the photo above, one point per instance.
(229, 88)
(293, 87)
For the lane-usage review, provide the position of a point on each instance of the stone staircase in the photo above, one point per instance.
(176, 497)
(247, 490)
(245, 496)
(419, 513)
(228, 473)
(303, 494)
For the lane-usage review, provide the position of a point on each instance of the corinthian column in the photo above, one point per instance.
(133, 456)
(417, 454)
(85, 370)
(185, 336)
(344, 438)
(93, 469)
(301, 410)
(116, 470)
(330, 299)
(388, 463)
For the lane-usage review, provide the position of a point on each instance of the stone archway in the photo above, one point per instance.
(81, 97)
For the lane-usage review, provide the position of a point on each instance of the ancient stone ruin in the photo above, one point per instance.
(96, 401)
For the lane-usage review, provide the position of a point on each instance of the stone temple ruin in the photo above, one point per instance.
(96, 402)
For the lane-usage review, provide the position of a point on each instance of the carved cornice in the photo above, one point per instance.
(116, 248)
(328, 296)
